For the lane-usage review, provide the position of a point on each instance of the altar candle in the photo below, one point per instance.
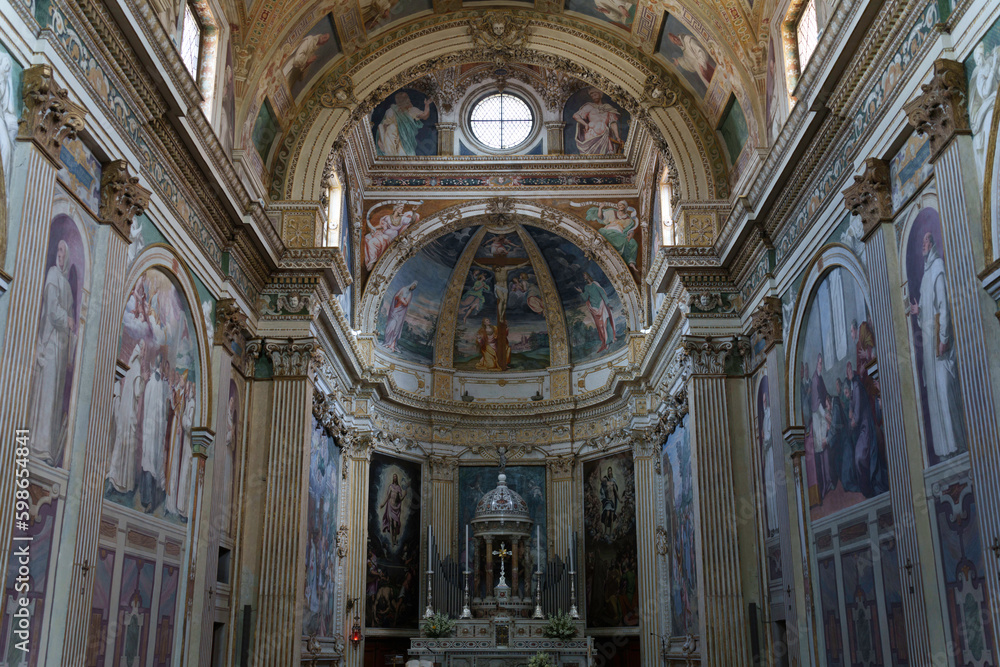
(466, 547)
(430, 550)
(538, 549)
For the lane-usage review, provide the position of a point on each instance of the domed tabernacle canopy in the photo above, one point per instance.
(502, 511)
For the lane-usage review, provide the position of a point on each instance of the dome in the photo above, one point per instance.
(498, 298)
(502, 508)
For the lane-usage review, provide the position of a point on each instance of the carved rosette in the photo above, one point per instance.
(941, 112)
(294, 357)
(871, 196)
(766, 321)
(122, 198)
(340, 95)
(230, 324)
(49, 117)
(706, 356)
(499, 36)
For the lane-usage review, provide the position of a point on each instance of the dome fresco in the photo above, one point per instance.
(498, 294)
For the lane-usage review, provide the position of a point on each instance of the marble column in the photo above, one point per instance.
(121, 200)
(201, 443)
(277, 641)
(941, 114)
(446, 138)
(870, 198)
(797, 494)
(723, 625)
(766, 322)
(49, 118)
(357, 449)
(645, 454)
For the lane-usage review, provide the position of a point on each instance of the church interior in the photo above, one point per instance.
(514, 333)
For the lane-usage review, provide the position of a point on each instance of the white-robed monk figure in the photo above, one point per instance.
(121, 471)
(940, 370)
(52, 361)
(597, 126)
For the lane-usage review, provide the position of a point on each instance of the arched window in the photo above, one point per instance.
(807, 33)
(198, 42)
(799, 35)
(334, 212)
(191, 41)
(666, 210)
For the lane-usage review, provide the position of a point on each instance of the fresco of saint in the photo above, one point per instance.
(381, 234)
(597, 126)
(397, 315)
(397, 133)
(596, 300)
(619, 223)
(488, 341)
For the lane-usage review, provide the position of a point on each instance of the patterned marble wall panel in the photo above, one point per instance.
(829, 621)
(863, 632)
(134, 611)
(20, 647)
(393, 581)
(321, 538)
(166, 610)
(892, 585)
(966, 595)
(611, 572)
(101, 607)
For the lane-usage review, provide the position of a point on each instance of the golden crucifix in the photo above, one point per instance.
(503, 553)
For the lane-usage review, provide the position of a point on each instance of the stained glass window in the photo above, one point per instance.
(501, 121)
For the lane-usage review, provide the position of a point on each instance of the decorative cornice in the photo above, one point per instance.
(940, 112)
(294, 358)
(122, 198)
(202, 438)
(766, 321)
(49, 117)
(871, 196)
(561, 466)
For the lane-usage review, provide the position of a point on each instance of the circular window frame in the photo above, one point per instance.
(516, 91)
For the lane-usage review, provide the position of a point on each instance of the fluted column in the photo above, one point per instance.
(645, 452)
(722, 613)
(796, 489)
(121, 200)
(277, 642)
(444, 505)
(940, 113)
(49, 118)
(871, 199)
(357, 450)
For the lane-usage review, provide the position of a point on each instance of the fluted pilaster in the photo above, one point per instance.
(561, 473)
(444, 504)
(357, 461)
(722, 618)
(277, 641)
(645, 451)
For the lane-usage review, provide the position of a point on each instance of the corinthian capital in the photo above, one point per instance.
(706, 356)
(870, 197)
(294, 357)
(941, 112)
(766, 321)
(230, 324)
(122, 198)
(49, 116)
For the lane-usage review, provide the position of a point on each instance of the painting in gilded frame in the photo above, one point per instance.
(392, 592)
(611, 565)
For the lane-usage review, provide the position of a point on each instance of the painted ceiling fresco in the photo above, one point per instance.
(496, 292)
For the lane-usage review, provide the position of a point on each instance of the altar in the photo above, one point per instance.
(503, 624)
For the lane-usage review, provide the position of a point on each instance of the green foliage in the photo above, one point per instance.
(560, 626)
(438, 625)
(540, 659)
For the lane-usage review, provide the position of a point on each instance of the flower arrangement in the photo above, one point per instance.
(540, 659)
(438, 625)
(560, 626)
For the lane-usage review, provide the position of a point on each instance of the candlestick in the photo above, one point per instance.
(538, 548)
(466, 548)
